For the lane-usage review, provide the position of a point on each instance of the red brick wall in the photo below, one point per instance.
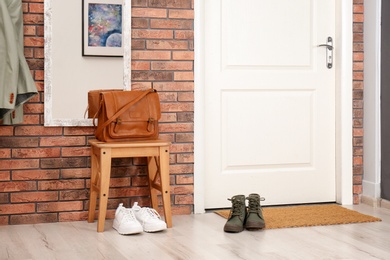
(358, 76)
(44, 171)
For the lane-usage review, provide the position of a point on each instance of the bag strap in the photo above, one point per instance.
(122, 110)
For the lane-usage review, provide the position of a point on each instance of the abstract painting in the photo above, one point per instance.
(102, 27)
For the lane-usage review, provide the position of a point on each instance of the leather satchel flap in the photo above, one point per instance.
(143, 110)
(94, 101)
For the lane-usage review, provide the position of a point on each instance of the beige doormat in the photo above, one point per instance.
(306, 216)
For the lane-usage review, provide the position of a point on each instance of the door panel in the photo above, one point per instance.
(269, 101)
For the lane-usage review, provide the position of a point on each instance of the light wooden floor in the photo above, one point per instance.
(199, 236)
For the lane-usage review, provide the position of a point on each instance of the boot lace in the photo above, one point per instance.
(237, 206)
(254, 204)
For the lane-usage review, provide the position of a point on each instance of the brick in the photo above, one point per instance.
(74, 195)
(5, 175)
(184, 137)
(181, 169)
(358, 18)
(128, 192)
(33, 108)
(150, 55)
(59, 206)
(8, 209)
(138, 44)
(33, 42)
(61, 185)
(139, 181)
(184, 35)
(170, 3)
(140, 65)
(185, 117)
(183, 76)
(139, 3)
(184, 179)
(5, 153)
(70, 162)
(184, 199)
(151, 75)
(33, 19)
(183, 55)
(76, 151)
(35, 174)
(4, 220)
(152, 34)
(17, 186)
(178, 107)
(4, 198)
(173, 86)
(79, 130)
(13, 142)
(19, 164)
(6, 130)
(73, 216)
(181, 210)
(36, 152)
(137, 23)
(34, 196)
(149, 12)
(171, 24)
(172, 127)
(171, 65)
(75, 173)
(181, 14)
(39, 53)
(168, 117)
(62, 141)
(185, 96)
(33, 218)
(182, 189)
(29, 30)
(185, 158)
(182, 148)
(36, 8)
(166, 45)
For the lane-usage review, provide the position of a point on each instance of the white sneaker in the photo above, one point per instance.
(125, 222)
(149, 218)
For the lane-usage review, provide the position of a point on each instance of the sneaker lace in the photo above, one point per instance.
(149, 213)
(237, 206)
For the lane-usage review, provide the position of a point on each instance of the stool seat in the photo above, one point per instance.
(157, 153)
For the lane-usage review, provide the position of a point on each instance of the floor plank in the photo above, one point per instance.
(199, 236)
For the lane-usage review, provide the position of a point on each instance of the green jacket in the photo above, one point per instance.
(16, 83)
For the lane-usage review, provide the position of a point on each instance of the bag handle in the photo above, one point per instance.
(122, 110)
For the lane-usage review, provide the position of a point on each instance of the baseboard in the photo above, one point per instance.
(375, 202)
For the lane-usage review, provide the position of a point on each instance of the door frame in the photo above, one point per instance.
(344, 116)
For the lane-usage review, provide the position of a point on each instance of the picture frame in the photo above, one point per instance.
(102, 27)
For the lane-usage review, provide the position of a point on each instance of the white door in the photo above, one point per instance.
(269, 101)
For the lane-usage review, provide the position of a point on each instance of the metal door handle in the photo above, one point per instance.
(329, 52)
(329, 47)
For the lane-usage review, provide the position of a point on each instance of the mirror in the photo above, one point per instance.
(69, 75)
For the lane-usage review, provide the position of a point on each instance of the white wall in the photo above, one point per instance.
(372, 158)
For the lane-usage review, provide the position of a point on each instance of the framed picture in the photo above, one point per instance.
(102, 28)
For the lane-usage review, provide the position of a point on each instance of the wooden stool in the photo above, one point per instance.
(157, 153)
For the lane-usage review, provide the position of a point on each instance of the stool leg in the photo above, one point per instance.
(165, 184)
(105, 173)
(152, 172)
(93, 189)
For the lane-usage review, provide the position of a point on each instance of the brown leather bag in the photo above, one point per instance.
(128, 115)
